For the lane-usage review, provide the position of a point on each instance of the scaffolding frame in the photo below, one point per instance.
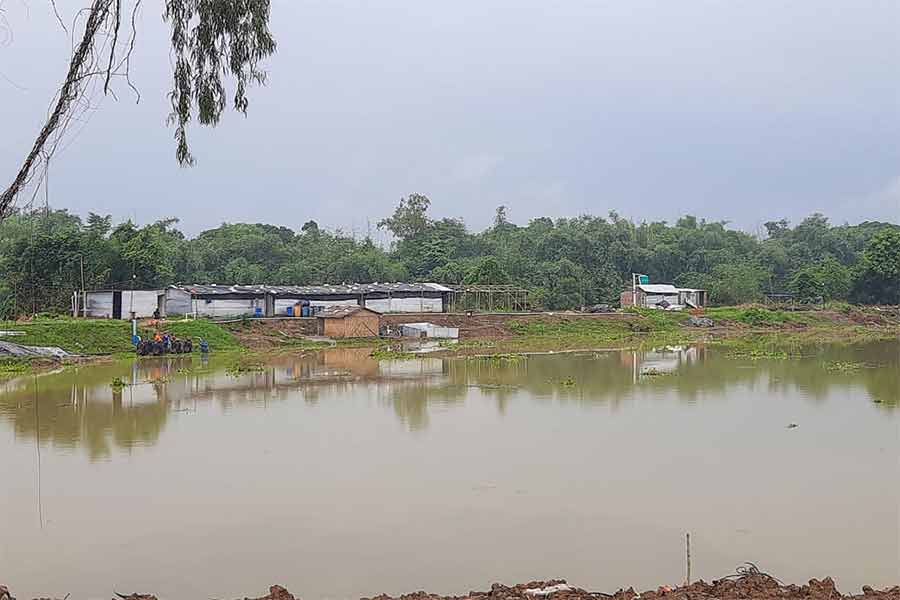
(488, 298)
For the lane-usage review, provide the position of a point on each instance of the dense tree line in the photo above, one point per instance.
(567, 262)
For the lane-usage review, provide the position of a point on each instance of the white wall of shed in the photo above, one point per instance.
(220, 307)
(99, 305)
(145, 302)
(405, 305)
(178, 302)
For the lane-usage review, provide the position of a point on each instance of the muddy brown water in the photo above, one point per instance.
(340, 476)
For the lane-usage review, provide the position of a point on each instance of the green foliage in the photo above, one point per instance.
(487, 271)
(565, 263)
(879, 274)
(14, 366)
(827, 278)
(212, 41)
(390, 354)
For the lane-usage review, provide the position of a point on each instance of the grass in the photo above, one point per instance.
(648, 326)
(79, 336)
(14, 366)
(755, 316)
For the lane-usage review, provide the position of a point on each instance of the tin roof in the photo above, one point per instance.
(339, 312)
(658, 288)
(311, 290)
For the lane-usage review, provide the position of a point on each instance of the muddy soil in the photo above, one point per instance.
(753, 586)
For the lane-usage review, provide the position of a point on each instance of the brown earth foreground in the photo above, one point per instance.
(752, 585)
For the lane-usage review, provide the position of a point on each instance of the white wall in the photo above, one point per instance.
(405, 305)
(145, 302)
(98, 304)
(178, 302)
(218, 308)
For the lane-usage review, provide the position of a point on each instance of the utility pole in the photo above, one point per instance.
(83, 291)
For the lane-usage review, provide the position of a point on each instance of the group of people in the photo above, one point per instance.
(165, 343)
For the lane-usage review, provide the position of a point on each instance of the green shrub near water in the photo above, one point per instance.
(756, 316)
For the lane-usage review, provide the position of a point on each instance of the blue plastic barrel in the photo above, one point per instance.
(304, 310)
(290, 311)
(257, 311)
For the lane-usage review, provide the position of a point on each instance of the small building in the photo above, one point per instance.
(348, 322)
(663, 296)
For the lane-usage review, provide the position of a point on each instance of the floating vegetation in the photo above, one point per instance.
(497, 358)
(564, 382)
(840, 366)
(238, 369)
(654, 372)
(388, 354)
(118, 383)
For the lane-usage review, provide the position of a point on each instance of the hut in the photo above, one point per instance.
(664, 296)
(348, 322)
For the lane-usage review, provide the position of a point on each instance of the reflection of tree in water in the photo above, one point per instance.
(80, 408)
(411, 399)
(691, 374)
(94, 418)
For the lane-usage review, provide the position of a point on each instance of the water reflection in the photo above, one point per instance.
(80, 408)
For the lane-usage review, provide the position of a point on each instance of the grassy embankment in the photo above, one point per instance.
(96, 337)
(745, 329)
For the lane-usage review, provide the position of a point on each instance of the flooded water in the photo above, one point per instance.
(340, 476)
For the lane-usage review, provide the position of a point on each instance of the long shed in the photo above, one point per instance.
(212, 300)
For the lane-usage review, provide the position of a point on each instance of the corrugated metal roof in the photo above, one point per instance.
(339, 312)
(658, 288)
(311, 290)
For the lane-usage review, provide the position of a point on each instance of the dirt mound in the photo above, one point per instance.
(756, 586)
(752, 586)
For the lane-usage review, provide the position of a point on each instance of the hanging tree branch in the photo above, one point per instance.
(212, 40)
(68, 93)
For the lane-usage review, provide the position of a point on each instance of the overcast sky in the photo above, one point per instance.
(733, 111)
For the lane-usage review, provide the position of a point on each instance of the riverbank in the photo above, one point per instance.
(748, 586)
(747, 329)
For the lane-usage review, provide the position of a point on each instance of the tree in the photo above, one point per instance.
(878, 280)
(211, 42)
(882, 255)
(487, 272)
(736, 283)
(410, 218)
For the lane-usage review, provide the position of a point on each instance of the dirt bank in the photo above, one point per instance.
(748, 586)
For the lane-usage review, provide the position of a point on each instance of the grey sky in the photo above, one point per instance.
(740, 111)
